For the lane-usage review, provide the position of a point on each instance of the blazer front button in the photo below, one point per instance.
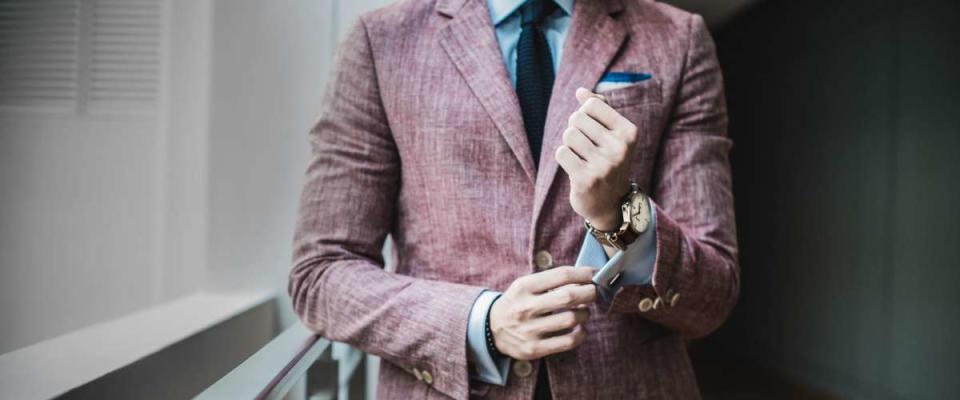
(543, 260)
(522, 368)
(427, 377)
(646, 304)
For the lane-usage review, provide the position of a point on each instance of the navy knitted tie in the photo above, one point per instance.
(534, 71)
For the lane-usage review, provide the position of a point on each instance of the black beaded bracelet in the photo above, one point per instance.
(491, 346)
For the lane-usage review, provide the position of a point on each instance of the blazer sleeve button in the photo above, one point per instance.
(674, 298)
(646, 304)
(427, 377)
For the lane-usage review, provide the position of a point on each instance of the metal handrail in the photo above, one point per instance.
(274, 369)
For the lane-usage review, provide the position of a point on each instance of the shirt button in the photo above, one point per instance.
(646, 304)
(416, 373)
(543, 260)
(427, 377)
(522, 368)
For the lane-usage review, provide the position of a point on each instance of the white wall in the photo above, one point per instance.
(270, 61)
(104, 212)
(185, 146)
(78, 232)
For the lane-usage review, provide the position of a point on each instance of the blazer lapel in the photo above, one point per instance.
(592, 43)
(470, 42)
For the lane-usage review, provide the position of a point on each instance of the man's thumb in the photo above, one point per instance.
(583, 94)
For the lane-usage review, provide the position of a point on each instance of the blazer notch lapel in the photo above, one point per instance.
(471, 44)
(448, 7)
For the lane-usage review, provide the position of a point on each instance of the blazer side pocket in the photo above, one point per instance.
(643, 92)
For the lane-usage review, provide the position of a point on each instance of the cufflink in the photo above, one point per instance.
(613, 281)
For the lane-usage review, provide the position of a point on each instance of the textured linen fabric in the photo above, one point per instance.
(421, 137)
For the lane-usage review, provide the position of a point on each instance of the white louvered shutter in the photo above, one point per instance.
(38, 52)
(82, 55)
(124, 69)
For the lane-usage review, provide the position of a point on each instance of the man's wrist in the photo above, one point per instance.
(609, 222)
(488, 334)
(611, 217)
(486, 368)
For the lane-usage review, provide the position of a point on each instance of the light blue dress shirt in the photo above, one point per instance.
(635, 264)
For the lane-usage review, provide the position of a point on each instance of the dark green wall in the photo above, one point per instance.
(846, 122)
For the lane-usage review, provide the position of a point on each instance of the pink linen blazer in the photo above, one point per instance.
(421, 137)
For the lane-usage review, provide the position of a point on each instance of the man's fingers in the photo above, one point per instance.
(561, 343)
(556, 277)
(580, 144)
(592, 129)
(560, 321)
(604, 114)
(565, 297)
(568, 159)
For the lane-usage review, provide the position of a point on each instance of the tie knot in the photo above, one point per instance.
(535, 11)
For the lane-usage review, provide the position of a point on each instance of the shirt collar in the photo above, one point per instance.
(501, 9)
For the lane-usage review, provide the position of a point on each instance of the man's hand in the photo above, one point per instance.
(596, 154)
(543, 313)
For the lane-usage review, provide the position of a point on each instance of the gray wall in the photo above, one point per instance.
(846, 119)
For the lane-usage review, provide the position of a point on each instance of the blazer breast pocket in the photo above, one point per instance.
(640, 93)
(642, 104)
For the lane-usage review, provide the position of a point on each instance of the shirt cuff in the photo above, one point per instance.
(487, 368)
(633, 266)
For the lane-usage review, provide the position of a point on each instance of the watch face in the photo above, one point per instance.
(639, 213)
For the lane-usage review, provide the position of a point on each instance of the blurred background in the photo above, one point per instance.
(152, 151)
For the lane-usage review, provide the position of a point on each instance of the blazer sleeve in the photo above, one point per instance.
(695, 279)
(338, 285)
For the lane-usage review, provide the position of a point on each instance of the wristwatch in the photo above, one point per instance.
(635, 214)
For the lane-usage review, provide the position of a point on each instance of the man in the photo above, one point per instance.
(499, 142)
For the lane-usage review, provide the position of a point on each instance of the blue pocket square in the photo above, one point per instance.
(616, 80)
(628, 77)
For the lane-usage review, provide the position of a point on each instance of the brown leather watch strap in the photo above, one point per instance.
(623, 235)
(618, 239)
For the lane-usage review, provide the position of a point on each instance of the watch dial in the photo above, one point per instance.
(639, 213)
